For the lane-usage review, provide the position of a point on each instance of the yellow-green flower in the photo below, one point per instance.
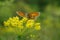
(37, 26)
(16, 18)
(24, 19)
(10, 19)
(6, 23)
(19, 23)
(14, 24)
(30, 23)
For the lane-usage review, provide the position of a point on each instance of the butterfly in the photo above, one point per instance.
(31, 15)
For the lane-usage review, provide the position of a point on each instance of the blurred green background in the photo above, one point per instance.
(49, 17)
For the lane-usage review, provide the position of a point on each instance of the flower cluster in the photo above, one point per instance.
(15, 22)
(23, 27)
(22, 23)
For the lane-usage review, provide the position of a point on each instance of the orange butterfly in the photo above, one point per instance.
(31, 15)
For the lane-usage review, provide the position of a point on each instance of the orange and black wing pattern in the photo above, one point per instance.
(33, 15)
(22, 14)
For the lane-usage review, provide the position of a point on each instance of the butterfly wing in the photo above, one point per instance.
(33, 15)
(22, 14)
